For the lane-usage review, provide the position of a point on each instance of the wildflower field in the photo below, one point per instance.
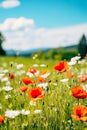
(43, 94)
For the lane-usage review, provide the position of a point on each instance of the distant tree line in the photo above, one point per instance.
(57, 54)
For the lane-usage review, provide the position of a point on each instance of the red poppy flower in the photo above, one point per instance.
(62, 66)
(23, 88)
(80, 113)
(32, 70)
(11, 76)
(79, 92)
(36, 93)
(27, 80)
(83, 78)
(2, 119)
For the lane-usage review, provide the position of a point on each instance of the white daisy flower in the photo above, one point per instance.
(5, 71)
(32, 103)
(43, 65)
(25, 112)
(19, 66)
(64, 80)
(35, 65)
(5, 79)
(7, 88)
(38, 111)
(76, 58)
(12, 113)
(72, 63)
(19, 73)
(43, 85)
(7, 96)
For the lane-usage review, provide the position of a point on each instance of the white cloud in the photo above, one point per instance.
(9, 3)
(21, 34)
(16, 24)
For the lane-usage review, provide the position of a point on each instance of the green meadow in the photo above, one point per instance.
(53, 111)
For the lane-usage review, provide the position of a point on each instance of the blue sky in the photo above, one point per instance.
(55, 18)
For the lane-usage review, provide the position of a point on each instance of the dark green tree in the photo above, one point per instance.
(2, 39)
(82, 46)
